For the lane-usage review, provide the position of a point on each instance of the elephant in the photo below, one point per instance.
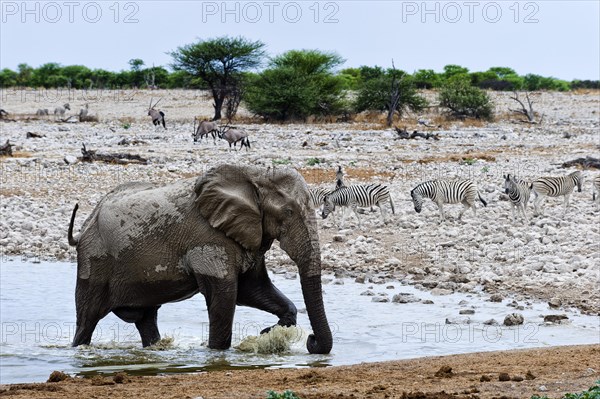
(145, 245)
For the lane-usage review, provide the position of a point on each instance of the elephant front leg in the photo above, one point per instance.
(256, 290)
(220, 301)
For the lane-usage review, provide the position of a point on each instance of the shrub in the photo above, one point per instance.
(297, 84)
(426, 79)
(287, 394)
(464, 100)
(374, 94)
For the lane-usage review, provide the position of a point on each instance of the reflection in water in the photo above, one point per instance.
(37, 313)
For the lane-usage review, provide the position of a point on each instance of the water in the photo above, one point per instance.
(37, 317)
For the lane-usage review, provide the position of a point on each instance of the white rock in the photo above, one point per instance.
(70, 159)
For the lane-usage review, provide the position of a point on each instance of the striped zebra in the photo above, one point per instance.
(353, 196)
(317, 196)
(555, 187)
(596, 190)
(518, 192)
(447, 192)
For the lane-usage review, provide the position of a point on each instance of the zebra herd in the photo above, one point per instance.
(450, 192)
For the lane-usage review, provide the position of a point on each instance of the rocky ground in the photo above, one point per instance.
(514, 374)
(551, 258)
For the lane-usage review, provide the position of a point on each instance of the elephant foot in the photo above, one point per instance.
(280, 323)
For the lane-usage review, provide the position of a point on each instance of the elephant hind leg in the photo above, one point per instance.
(87, 319)
(145, 322)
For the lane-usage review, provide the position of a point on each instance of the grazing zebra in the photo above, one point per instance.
(555, 187)
(357, 195)
(518, 192)
(59, 112)
(447, 192)
(596, 194)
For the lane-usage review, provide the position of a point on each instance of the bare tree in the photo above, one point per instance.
(395, 96)
(150, 78)
(526, 111)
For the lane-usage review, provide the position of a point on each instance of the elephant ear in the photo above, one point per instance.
(228, 199)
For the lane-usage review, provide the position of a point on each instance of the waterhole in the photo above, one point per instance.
(37, 317)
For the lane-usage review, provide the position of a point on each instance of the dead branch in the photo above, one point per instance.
(526, 111)
(404, 135)
(3, 116)
(119, 158)
(33, 135)
(6, 149)
(70, 119)
(586, 163)
(127, 141)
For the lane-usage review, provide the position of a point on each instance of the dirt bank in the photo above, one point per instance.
(548, 371)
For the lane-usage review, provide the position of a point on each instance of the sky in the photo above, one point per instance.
(549, 38)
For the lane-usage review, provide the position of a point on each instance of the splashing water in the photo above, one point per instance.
(163, 344)
(278, 340)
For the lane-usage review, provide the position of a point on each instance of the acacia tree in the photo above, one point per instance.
(219, 63)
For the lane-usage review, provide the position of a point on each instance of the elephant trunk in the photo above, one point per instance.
(321, 340)
(302, 245)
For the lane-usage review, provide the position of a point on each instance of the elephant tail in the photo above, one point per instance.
(73, 241)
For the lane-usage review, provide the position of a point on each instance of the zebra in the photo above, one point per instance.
(596, 191)
(317, 196)
(60, 111)
(555, 187)
(518, 192)
(447, 192)
(353, 196)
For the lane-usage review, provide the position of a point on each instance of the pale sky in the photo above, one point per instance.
(550, 38)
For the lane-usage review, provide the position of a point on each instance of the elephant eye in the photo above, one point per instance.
(288, 212)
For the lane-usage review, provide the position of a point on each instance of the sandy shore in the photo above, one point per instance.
(551, 372)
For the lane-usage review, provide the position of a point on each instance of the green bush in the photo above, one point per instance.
(374, 94)
(464, 100)
(287, 394)
(592, 393)
(296, 84)
(426, 79)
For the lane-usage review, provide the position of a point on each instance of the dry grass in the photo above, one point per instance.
(11, 192)
(468, 157)
(126, 120)
(18, 154)
(584, 92)
(320, 175)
